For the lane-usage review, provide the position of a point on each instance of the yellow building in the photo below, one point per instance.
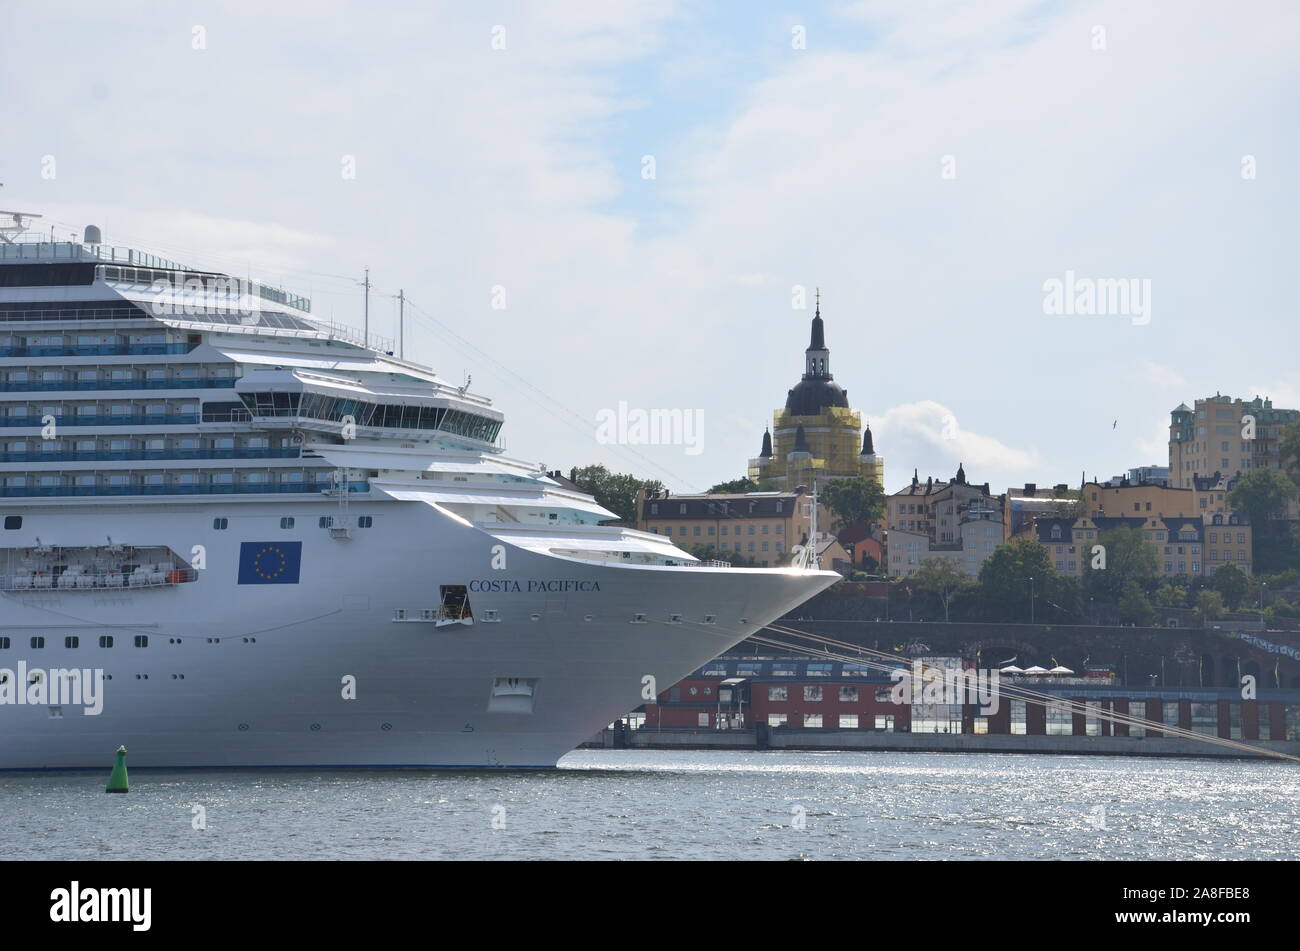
(816, 436)
(1223, 438)
(760, 526)
(1192, 531)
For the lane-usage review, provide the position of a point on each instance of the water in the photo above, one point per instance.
(633, 804)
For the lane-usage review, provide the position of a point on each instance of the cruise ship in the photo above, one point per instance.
(269, 541)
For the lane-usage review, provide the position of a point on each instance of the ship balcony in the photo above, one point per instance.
(91, 491)
(55, 386)
(106, 419)
(172, 455)
(101, 350)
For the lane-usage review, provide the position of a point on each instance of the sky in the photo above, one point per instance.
(594, 204)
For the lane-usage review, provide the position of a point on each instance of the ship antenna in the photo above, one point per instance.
(365, 311)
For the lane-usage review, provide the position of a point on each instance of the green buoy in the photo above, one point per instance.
(117, 780)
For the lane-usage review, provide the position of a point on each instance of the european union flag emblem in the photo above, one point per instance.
(270, 562)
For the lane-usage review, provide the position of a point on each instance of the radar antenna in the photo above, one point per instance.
(14, 223)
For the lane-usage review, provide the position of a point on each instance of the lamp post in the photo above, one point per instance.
(1263, 587)
(1031, 599)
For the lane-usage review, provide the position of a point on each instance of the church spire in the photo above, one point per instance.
(868, 449)
(818, 358)
(766, 452)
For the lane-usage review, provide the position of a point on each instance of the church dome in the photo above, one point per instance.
(812, 395)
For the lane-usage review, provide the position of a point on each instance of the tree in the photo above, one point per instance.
(615, 491)
(1209, 606)
(1128, 557)
(853, 500)
(1231, 582)
(1020, 574)
(1134, 608)
(1288, 449)
(738, 487)
(1263, 494)
(1171, 596)
(942, 578)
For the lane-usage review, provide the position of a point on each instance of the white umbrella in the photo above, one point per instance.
(1036, 670)
(1060, 670)
(1013, 669)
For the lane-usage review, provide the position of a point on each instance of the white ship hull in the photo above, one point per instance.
(254, 674)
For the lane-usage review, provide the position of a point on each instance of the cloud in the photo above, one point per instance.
(520, 168)
(930, 431)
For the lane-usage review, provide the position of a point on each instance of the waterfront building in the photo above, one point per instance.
(828, 697)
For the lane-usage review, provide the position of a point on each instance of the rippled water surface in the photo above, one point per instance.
(616, 804)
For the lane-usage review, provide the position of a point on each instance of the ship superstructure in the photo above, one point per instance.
(283, 545)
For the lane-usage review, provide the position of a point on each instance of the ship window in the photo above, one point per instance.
(13, 522)
(365, 521)
(326, 521)
(38, 643)
(220, 523)
(106, 640)
(142, 640)
(286, 522)
(4, 643)
(72, 641)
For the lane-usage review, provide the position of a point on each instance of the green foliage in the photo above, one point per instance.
(1231, 582)
(1209, 606)
(1128, 558)
(1283, 608)
(1289, 449)
(1262, 494)
(739, 486)
(853, 500)
(1171, 596)
(1134, 608)
(1004, 590)
(941, 578)
(615, 491)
